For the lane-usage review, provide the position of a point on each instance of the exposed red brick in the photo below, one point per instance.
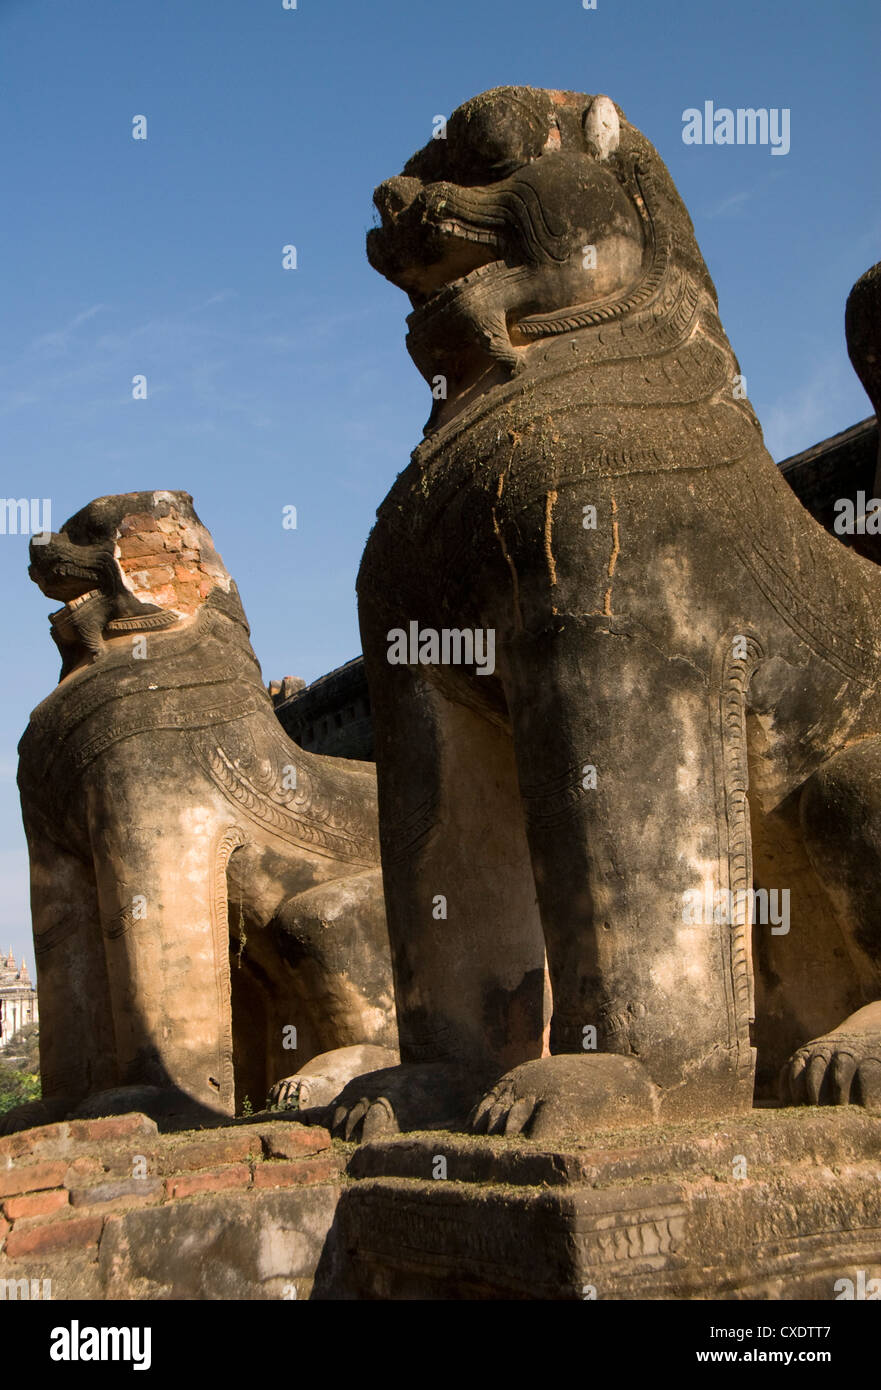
(300, 1173)
(84, 1166)
(157, 571)
(294, 1141)
(238, 1175)
(165, 595)
(137, 523)
(210, 1153)
(32, 1141)
(138, 546)
(36, 1204)
(112, 1127)
(54, 1236)
(115, 1161)
(5, 1228)
(15, 1146)
(31, 1177)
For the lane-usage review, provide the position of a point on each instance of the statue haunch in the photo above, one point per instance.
(167, 812)
(684, 699)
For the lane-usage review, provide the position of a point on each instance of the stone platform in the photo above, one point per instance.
(778, 1205)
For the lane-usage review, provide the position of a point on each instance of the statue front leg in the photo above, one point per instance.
(615, 756)
(161, 860)
(77, 1053)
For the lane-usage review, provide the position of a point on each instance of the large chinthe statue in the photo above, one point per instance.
(206, 896)
(625, 689)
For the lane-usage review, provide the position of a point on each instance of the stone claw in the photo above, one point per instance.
(379, 1122)
(431, 1095)
(519, 1115)
(815, 1075)
(354, 1118)
(841, 1068)
(564, 1096)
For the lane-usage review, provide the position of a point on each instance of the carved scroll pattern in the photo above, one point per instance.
(230, 839)
(740, 654)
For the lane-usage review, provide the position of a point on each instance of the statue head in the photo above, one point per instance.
(538, 213)
(133, 563)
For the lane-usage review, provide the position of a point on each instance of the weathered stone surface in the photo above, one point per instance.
(771, 1139)
(261, 1245)
(672, 691)
(184, 795)
(779, 1205)
(549, 1098)
(120, 1189)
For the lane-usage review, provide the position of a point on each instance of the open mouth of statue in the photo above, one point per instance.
(65, 579)
(473, 255)
(73, 604)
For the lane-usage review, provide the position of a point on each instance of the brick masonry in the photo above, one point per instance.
(60, 1184)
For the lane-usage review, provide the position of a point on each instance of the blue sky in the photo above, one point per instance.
(269, 388)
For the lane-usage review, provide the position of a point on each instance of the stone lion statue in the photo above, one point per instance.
(681, 727)
(170, 820)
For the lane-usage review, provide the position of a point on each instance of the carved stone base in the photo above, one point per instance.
(780, 1205)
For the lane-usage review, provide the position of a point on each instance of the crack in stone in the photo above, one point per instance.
(518, 616)
(549, 531)
(613, 560)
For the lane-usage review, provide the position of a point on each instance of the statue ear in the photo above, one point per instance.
(602, 129)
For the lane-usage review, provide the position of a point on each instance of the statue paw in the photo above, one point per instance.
(171, 1107)
(291, 1093)
(841, 1068)
(428, 1095)
(320, 1081)
(567, 1096)
(32, 1113)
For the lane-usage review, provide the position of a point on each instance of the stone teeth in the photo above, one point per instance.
(453, 228)
(83, 598)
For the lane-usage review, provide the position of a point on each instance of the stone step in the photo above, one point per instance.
(764, 1140)
(779, 1204)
